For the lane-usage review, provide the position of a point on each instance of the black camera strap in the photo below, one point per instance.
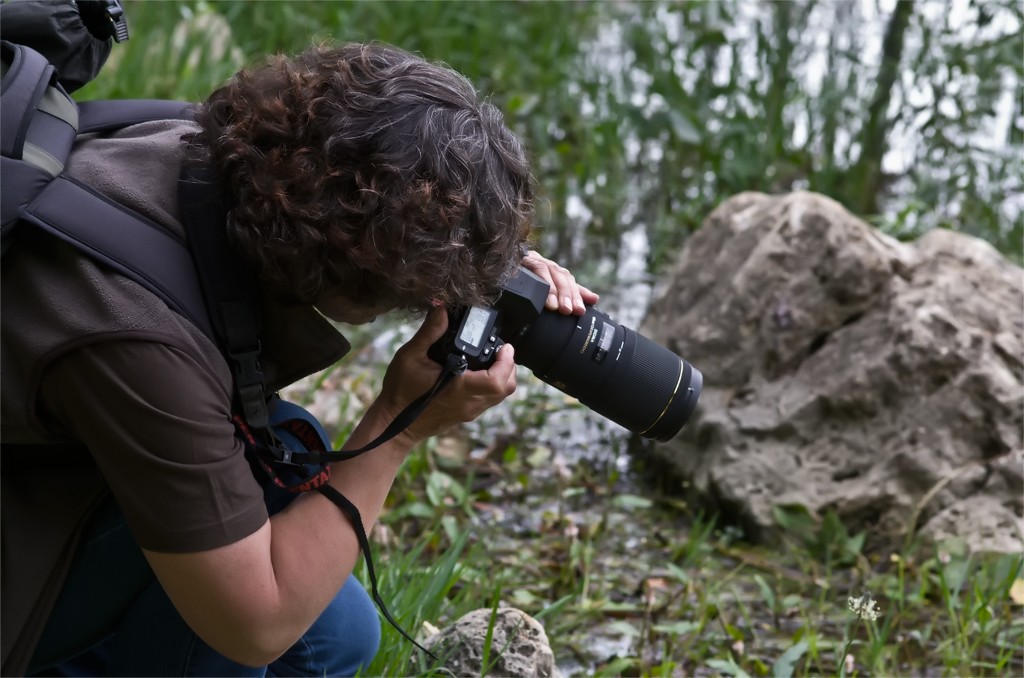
(455, 365)
(277, 455)
(350, 510)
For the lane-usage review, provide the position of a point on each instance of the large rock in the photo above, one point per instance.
(846, 370)
(519, 646)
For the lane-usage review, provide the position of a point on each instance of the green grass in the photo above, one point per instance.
(692, 597)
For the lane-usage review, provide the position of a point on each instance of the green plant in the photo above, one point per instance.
(827, 539)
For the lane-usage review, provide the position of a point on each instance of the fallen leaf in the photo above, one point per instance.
(1017, 591)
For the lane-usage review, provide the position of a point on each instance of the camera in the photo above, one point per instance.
(611, 369)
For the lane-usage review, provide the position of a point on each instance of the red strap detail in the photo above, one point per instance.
(243, 428)
(307, 435)
(316, 482)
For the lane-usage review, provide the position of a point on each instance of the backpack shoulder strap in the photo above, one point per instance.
(123, 239)
(28, 76)
(229, 286)
(107, 115)
(38, 125)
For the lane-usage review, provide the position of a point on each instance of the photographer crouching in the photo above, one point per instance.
(141, 535)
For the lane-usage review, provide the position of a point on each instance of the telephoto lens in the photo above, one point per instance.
(613, 370)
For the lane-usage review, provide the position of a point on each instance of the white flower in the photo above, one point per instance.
(864, 607)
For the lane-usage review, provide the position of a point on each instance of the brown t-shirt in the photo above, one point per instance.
(92, 357)
(159, 427)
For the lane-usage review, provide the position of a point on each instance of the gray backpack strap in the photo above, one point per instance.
(25, 83)
(125, 240)
(113, 114)
(38, 125)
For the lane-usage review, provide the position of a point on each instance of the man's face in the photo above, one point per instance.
(342, 309)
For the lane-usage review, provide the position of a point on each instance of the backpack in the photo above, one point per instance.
(39, 123)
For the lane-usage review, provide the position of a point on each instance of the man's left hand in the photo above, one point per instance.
(566, 295)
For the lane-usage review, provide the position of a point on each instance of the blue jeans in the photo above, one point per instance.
(112, 618)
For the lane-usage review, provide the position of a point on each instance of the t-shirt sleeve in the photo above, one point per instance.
(159, 427)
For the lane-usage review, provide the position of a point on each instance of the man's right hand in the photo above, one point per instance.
(411, 374)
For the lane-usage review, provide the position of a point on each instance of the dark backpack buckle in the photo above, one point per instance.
(249, 385)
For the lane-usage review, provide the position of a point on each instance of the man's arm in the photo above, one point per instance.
(251, 600)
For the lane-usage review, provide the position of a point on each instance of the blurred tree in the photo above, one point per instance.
(648, 114)
(874, 137)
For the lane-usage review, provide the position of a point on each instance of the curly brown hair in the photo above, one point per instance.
(368, 171)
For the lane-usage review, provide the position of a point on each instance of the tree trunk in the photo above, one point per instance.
(873, 136)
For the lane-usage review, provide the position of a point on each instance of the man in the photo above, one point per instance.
(364, 180)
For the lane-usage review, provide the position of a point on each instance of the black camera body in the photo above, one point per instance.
(477, 332)
(611, 369)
